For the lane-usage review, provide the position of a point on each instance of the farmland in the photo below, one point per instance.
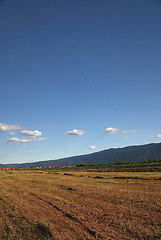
(79, 204)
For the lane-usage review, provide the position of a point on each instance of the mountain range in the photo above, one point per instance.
(127, 154)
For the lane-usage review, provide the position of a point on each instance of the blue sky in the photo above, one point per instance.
(78, 77)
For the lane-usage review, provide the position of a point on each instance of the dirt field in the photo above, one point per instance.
(50, 204)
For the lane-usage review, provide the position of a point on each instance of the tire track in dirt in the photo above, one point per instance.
(92, 233)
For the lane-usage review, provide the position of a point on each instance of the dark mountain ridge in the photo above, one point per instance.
(127, 154)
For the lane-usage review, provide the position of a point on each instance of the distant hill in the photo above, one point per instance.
(127, 154)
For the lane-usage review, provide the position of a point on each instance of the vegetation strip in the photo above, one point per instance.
(93, 233)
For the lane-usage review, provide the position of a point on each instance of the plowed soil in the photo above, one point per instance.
(51, 204)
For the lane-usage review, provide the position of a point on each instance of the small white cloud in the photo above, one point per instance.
(159, 136)
(127, 136)
(69, 149)
(18, 140)
(75, 132)
(111, 130)
(11, 133)
(22, 140)
(149, 142)
(92, 147)
(35, 133)
(130, 131)
(39, 139)
(5, 128)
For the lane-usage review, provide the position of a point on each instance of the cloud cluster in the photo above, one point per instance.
(5, 128)
(30, 136)
(159, 136)
(75, 132)
(111, 130)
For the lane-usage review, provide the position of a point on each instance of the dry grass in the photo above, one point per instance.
(36, 204)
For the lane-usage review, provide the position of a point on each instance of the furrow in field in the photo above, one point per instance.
(93, 233)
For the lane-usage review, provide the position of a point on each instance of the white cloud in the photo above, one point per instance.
(39, 139)
(69, 149)
(5, 128)
(130, 131)
(35, 133)
(22, 140)
(126, 136)
(149, 142)
(92, 147)
(12, 133)
(159, 136)
(111, 130)
(75, 132)
(18, 140)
